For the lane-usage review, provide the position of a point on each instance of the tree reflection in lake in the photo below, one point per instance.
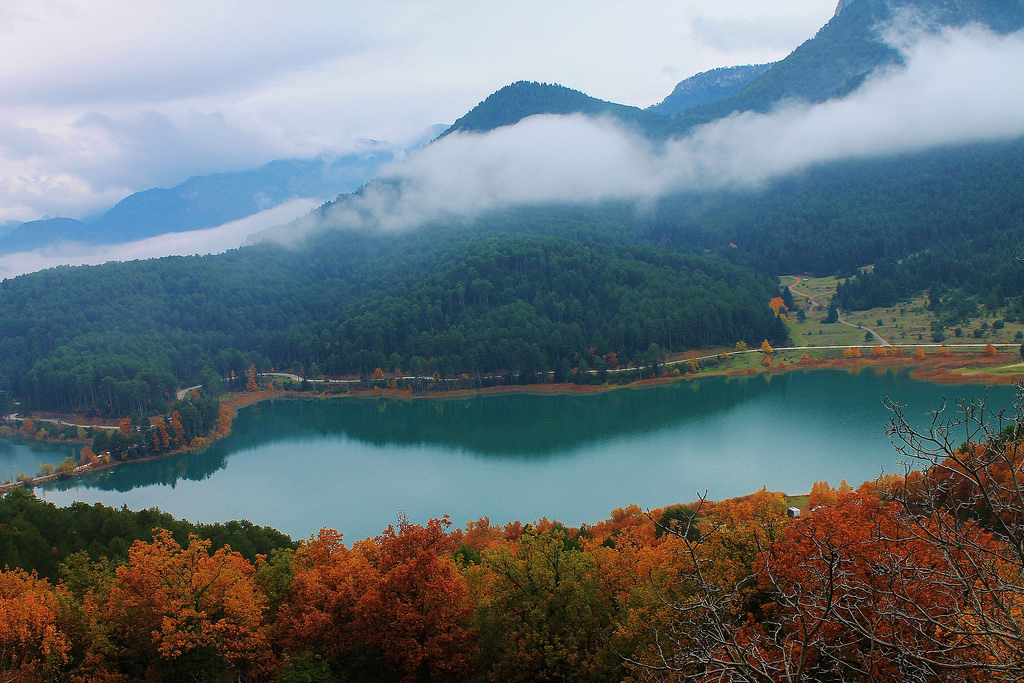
(353, 463)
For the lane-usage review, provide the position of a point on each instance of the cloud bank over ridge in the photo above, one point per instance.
(957, 86)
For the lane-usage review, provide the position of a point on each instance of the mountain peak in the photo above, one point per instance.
(521, 99)
(841, 6)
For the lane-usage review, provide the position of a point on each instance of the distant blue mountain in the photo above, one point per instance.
(204, 201)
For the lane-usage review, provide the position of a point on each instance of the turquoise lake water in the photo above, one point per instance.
(354, 464)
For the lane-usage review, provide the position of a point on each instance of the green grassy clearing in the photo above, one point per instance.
(909, 322)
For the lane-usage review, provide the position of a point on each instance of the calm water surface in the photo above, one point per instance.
(353, 464)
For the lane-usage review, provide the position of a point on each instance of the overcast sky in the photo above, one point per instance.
(101, 99)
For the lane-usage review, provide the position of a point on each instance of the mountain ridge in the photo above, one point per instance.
(205, 201)
(707, 87)
(519, 100)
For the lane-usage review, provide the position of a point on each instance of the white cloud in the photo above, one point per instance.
(208, 241)
(957, 86)
(117, 96)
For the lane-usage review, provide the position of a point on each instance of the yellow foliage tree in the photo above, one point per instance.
(822, 494)
(777, 304)
(250, 379)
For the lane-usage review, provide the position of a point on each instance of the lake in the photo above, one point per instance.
(354, 463)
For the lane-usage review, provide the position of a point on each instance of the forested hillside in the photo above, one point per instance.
(961, 202)
(440, 300)
(520, 293)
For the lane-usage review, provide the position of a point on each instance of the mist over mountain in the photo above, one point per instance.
(205, 201)
(931, 98)
(862, 38)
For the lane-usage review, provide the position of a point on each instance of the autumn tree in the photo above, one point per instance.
(394, 605)
(911, 578)
(250, 379)
(161, 439)
(822, 494)
(33, 646)
(87, 457)
(714, 586)
(179, 430)
(766, 348)
(970, 462)
(854, 592)
(184, 612)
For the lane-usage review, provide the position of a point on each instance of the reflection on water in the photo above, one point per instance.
(530, 425)
(353, 463)
(507, 425)
(165, 471)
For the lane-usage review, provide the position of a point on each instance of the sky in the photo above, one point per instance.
(102, 99)
(98, 102)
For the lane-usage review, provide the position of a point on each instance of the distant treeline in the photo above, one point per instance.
(119, 338)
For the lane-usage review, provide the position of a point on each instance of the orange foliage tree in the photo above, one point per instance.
(33, 646)
(855, 592)
(916, 577)
(87, 457)
(161, 439)
(184, 612)
(396, 603)
(177, 428)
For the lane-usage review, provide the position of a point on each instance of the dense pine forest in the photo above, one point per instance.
(118, 338)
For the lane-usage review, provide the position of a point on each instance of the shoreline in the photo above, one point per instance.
(965, 368)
